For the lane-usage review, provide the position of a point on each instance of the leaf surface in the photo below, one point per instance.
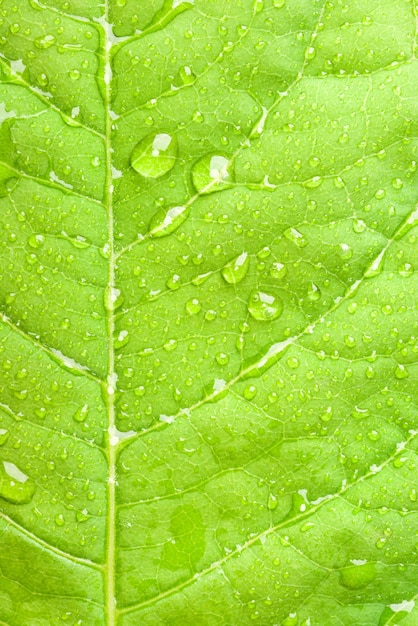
(208, 331)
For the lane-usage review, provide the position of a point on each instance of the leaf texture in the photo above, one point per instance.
(208, 313)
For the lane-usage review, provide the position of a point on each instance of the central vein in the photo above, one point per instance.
(109, 582)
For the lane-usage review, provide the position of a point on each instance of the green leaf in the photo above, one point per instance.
(208, 313)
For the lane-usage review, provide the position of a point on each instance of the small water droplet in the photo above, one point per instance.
(212, 173)
(154, 155)
(296, 237)
(45, 42)
(279, 4)
(264, 306)
(401, 371)
(236, 270)
(166, 221)
(4, 435)
(272, 502)
(81, 413)
(278, 270)
(193, 306)
(406, 270)
(121, 339)
(15, 486)
(59, 519)
(314, 293)
(186, 75)
(36, 241)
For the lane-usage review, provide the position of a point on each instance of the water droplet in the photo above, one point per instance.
(401, 371)
(186, 75)
(272, 502)
(314, 182)
(278, 270)
(154, 155)
(296, 237)
(406, 270)
(212, 173)
(344, 251)
(264, 306)
(358, 576)
(279, 4)
(314, 293)
(36, 241)
(121, 339)
(59, 519)
(45, 42)
(81, 413)
(193, 306)
(15, 486)
(166, 221)
(168, 12)
(236, 270)
(4, 435)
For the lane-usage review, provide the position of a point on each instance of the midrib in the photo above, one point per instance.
(109, 571)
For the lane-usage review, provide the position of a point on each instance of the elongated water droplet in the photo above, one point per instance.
(212, 173)
(15, 486)
(154, 155)
(186, 75)
(264, 306)
(81, 413)
(314, 293)
(45, 42)
(236, 270)
(4, 435)
(166, 221)
(296, 237)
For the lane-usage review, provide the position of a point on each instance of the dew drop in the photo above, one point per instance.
(212, 173)
(278, 270)
(296, 237)
(314, 293)
(81, 413)
(193, 306)
(15, 486)
(236, 270)
(121, 339)
(279, 4)
(401, 371)
(36, 241)
(272, 502)
(264, 306)
(154, 155)
(45, 42)
(166, 221)
(4, 435)
(406, 270)
(186, 75)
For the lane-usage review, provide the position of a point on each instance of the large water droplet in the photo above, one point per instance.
(264, 306)
(15, 486)
(154, 155)
(296, 237)
(212, 173)
(165, 221)
(236, 270)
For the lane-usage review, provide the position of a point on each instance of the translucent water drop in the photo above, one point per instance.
(264, 306)
(15, 486)
(358, 576)
(36, 241)
(167, 13)
(45, 42)
(193, 306)
(279, 4)
(401, 371)
(278, 270)
(166, 221)
(154, 155)
(406, 270)
(81, 413)
(236, 270)
(296, 237)
(121, 339)
(186, 75)
(314, 293)
(4, 435)
(78, 241)
(212, 173)
(272, 502)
